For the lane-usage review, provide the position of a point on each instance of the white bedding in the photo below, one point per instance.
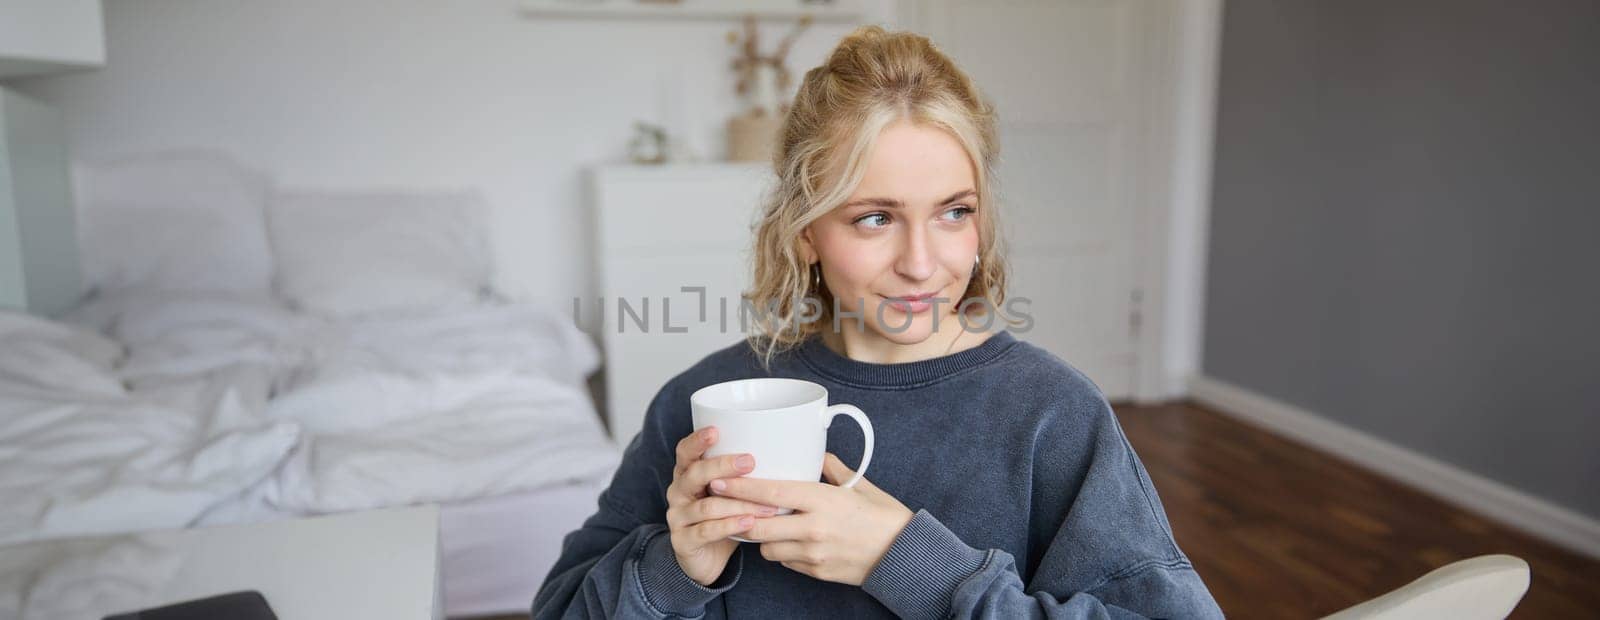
(228, 408)
(99, 458)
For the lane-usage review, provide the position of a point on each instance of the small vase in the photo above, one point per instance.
(753, 137)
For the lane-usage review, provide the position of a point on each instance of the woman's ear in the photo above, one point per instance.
(808, 250)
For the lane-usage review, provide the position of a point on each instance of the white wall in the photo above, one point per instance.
(38, 249)
(1196, 37)
(42, 35)
(413, 93)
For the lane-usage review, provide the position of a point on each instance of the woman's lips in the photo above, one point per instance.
(914, 304)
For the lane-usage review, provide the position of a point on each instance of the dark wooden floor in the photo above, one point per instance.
(1279, 530)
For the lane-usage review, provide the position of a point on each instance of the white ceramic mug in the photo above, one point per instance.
(783, 423)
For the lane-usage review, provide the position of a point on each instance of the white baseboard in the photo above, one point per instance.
(1492, 499)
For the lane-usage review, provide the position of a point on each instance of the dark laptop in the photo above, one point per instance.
(249, 605)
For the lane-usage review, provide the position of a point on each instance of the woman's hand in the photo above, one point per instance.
(701, 525)
(836, 534)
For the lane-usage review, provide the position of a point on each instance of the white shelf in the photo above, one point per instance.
(699, 169)
(836, 11)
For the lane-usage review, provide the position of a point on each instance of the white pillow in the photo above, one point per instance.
(188, 220)
(349, 254)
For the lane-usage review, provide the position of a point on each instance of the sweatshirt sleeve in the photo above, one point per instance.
(620, 562)
(930, 573)
(1111, 555)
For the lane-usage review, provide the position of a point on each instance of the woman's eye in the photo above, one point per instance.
(873, 220)
(957, 214)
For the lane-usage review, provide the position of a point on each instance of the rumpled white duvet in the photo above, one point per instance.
(220, 408)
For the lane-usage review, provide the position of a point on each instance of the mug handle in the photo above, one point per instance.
(866, 431)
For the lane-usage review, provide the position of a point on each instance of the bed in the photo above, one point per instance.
(252, 353)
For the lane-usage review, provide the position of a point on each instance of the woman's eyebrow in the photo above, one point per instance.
(892, 203)
(959, 195)
(874, 202)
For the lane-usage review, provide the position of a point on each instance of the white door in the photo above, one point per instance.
(1066, 80)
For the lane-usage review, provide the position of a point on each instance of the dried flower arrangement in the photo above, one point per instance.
(762, 80)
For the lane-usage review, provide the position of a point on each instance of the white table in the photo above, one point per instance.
(378, 564)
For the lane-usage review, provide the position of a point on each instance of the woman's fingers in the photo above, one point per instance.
(836, 472)
(690, 484)
(803, 496)
(688, 452)
(707, 532)
(692, 446)
(790, 552)
(710, 508)
(799, 527)
(722, 507)
(703, 471)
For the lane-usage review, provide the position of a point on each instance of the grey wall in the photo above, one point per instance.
(1405, 229)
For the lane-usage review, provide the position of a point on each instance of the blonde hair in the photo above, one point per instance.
(870, 80)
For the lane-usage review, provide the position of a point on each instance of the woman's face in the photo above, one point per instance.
(908, 231)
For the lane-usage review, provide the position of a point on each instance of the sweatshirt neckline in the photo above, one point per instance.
(825, 361)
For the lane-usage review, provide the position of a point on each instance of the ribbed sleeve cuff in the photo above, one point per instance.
(669, 590)
(923, 568)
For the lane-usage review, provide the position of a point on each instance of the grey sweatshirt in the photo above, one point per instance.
(1029, 502)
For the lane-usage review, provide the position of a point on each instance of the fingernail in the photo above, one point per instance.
(745, 461)
(767, 511)
(707, 432)
(746, 522)
(718, 486)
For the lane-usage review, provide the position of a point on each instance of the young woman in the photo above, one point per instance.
(1002, 484)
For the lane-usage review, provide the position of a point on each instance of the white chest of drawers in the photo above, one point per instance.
(662, 229)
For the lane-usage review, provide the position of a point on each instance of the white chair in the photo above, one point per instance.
(1487, 586)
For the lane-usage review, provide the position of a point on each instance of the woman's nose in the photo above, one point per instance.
(916, 259)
